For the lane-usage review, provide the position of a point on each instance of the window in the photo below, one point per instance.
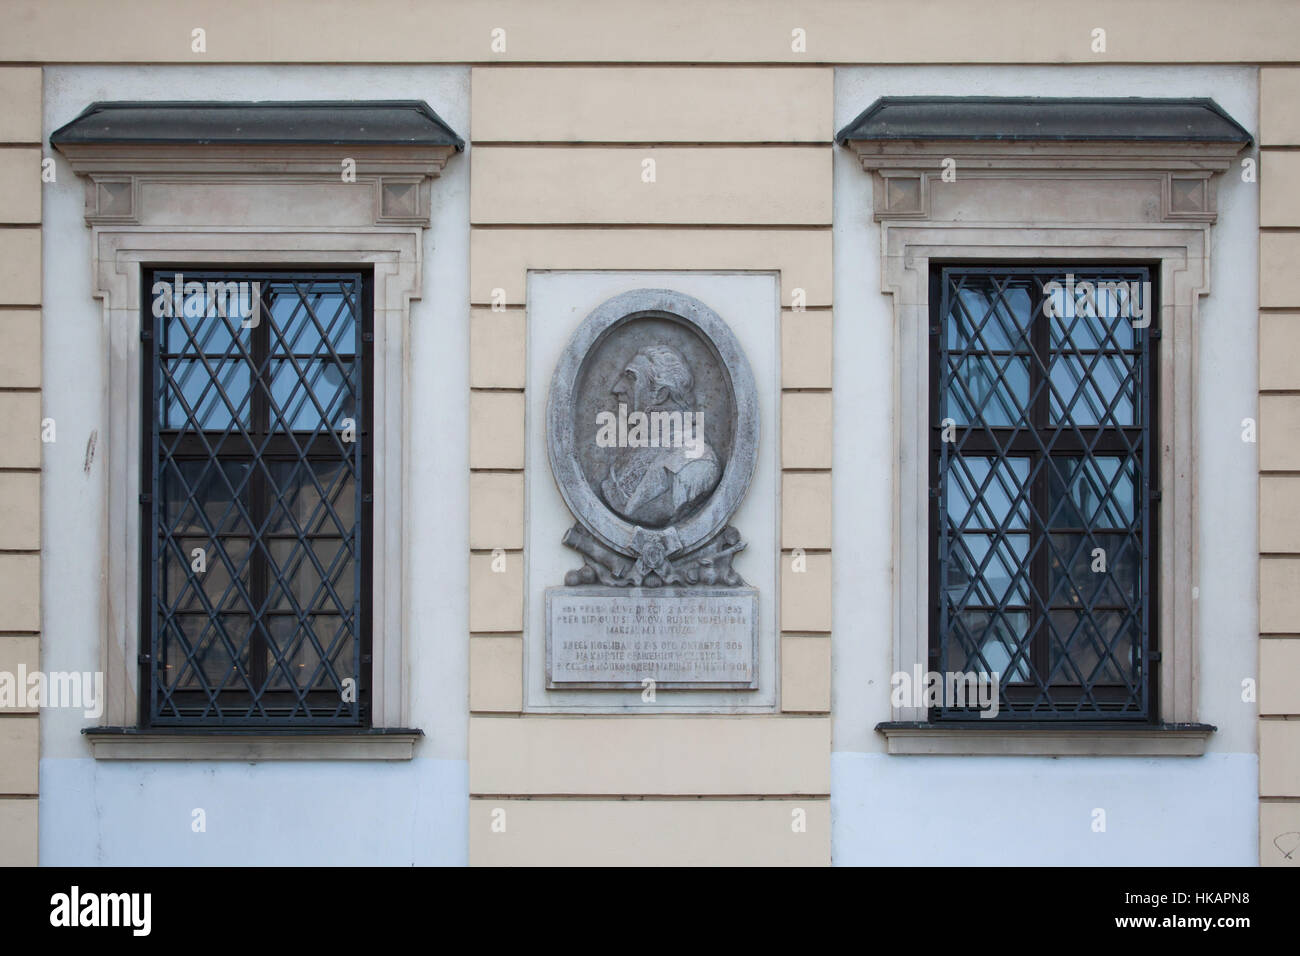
(246, 191)
(256, 523)
(1043, 454)
(1092, 665)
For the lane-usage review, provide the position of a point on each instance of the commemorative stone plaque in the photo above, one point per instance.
(652, 433)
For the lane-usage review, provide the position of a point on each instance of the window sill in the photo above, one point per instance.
(251, 745)
(1039, 740)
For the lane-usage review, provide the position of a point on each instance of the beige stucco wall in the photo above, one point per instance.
(631, 31)
(1279, 466)
(742, 140)
(20, 447)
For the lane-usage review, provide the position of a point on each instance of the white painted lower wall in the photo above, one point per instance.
(1041, 811)
(110, 813)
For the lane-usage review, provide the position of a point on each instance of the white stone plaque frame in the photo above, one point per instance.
(558, 301)
(587, 508)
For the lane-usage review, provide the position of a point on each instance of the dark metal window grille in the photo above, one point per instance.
(1049, 465)
(256, 507)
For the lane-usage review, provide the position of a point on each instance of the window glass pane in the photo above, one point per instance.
(316, 574)
(301, 661)
(989, 314)
(203, 496)
(205, 650)
(205, 395)
(1097, 492)
(992, 390)
(1100, 647)
(1094, 388)
(1086, 323)
(1096, 312)
(312, 497)
(211, 334)
(223, 583)
(1094, 570)
(987, 570)
(308, 395)
(311, 318)
(987, 493)
(988, 641)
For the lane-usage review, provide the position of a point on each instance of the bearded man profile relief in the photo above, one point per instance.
(661, 466)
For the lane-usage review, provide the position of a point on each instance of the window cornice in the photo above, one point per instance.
(943, 140)
(908, 173)
(1046, 119)
(263, 122)
(128, 174)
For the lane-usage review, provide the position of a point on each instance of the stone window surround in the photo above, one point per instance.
(150, 222)
(1170, 225)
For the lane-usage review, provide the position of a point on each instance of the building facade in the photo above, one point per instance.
(989, 319)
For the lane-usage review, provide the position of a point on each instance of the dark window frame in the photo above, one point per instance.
(279, 447)
(1036, 702)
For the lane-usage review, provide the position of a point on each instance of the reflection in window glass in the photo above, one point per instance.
(258, 526)
(1042, 454)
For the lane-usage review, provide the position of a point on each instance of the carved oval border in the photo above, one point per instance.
(592, 513)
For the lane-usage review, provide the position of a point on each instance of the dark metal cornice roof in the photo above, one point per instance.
(1134, 119)
(325, 122)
